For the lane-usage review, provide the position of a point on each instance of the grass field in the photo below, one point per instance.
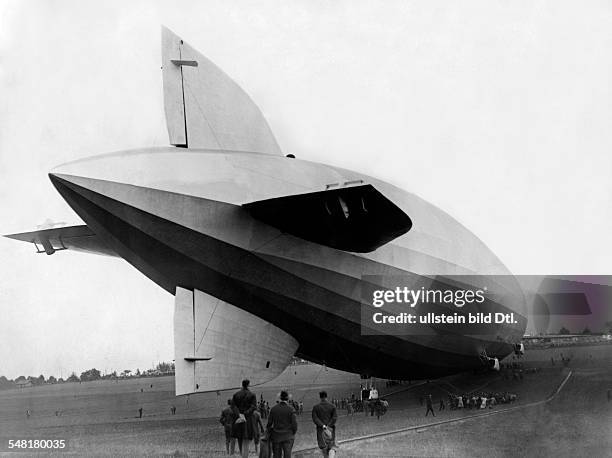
(575, 423)
(100, 418)
(578, 422)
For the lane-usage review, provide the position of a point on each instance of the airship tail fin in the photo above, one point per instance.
(217, 345)
(205, 108)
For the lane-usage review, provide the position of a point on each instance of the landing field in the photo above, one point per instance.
(100, 418)
(577, 422)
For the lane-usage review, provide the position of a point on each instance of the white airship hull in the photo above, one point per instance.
(178, 217)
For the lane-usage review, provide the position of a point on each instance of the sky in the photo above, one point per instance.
(498, 112)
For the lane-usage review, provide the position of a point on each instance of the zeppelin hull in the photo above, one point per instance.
(160, 234)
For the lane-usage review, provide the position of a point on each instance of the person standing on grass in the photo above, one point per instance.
(244, 403)
(324, 416)
(429, 405)
(282, 426)
(258, 429)
(227, 419)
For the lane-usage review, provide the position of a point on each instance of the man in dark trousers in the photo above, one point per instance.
(282, 425)
(227, 420)
(429, 405)
(244, 403)
(324, 416)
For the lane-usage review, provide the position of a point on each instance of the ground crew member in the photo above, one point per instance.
(227, 420)
(429, 405)
(324, 416)
(244, 403)
(258, 429)
(282, 425)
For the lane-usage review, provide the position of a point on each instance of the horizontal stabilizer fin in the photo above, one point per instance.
(217, 345)
(353, 218)
(77, 238)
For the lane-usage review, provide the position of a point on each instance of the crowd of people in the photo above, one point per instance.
(243, 423)
(479, 400)
(273, 430)
(367, 403)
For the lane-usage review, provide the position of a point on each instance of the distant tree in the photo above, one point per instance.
(165, 367)
(60, 380)
(51, 379)
(137, 372)
(21, 378)
(564, 330)
(586, 330)
(89, 375)
(36, 380)
(126, 373)
(5, 383)
(110, 375)
(73, 378)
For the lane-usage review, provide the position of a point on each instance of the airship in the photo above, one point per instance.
(269, 256)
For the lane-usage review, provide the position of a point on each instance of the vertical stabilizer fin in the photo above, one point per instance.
(205, 108)
(217, 345)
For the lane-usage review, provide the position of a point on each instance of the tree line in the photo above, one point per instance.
(163, 368)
